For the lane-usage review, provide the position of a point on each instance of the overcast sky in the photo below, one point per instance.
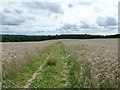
(71, 17)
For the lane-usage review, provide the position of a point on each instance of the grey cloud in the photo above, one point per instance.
(101, 21)
(52, 7)
(86, 3)
(31, 18)
(84, 25)
(69, 26)
(18, 11)
(109, 21)
(56, 16)
(7, 10)
(74, 27)
(70, 5)
(12, 19)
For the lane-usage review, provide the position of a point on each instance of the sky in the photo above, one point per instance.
(59, 17)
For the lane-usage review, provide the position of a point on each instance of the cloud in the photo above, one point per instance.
(79, 17)
(18, 11)
(111, 21)
(86, 3)
(11, 18)
(69, 26)
(70, 5)
(16, 16)
(106, 21)
(48, 6)
(7, 10)
(84, 25)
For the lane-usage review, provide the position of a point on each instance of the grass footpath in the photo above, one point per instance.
(59, 71)
(20, 78)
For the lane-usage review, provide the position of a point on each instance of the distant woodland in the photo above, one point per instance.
(22, 38)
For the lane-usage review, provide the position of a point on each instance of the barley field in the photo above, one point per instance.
(97, 61)
(64, 63)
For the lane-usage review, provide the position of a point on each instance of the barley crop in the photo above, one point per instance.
(98, 61)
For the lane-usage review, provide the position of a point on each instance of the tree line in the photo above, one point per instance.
(22, 38)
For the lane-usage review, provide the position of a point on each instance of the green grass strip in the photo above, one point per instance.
(17, 80)
(51, 76)
(60, 70)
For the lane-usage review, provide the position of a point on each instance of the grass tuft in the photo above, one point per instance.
(51, 62)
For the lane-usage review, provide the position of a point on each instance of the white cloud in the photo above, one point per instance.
(106, 21)
(11, 18)
(45, 6)
(85, 16)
